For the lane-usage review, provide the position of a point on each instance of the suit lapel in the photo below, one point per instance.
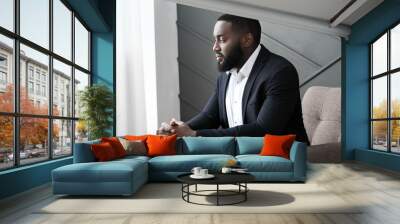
(258, 65)
(224, 85)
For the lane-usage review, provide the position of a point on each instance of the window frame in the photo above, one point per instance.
(16, 114)
(388, 74)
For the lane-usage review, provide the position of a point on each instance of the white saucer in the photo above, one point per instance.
(208, 176)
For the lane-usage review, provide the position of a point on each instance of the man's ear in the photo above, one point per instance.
(247, 40)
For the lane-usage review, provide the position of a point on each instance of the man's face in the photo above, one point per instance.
(226, 46)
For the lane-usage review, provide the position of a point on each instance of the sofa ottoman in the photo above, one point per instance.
(118, 177)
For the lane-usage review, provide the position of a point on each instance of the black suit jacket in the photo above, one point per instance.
(270, 104)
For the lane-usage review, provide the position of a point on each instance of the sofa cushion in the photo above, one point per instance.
(249, 145)
(185, 163)
(103, 152)
(116, 145)
(206, 145)
(257, 163)
(160, 145)
(111, 171)
(134, 147)
(277, 145)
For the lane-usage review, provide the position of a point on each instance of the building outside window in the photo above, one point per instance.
(3, 72)
(43, 90)
(3, 77)
(30, 72)
(44, 77)
(3, 61)
(30, 87)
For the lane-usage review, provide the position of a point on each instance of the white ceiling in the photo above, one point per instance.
(319, 9)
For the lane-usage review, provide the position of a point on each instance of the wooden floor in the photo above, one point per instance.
(377, 188)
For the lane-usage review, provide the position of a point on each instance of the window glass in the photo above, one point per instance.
(34, 145)
(81, 131)
(81, 45)
(379, 135)
(395, 95)
(395, 47)
(6, 142)
(379, 56)
(379, 98)
(62, 138)
(81, 82)
(34, 21)
(62, 29)
(6, 74)
(62, 91)
(39, 62)
(395, 136)
(7, 14)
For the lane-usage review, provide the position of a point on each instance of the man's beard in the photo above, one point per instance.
(232, 59)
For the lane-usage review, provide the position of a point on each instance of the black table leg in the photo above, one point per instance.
(245, 193)
(188, 190)
(217, 194)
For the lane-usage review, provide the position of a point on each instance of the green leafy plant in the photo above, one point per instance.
(96, 102)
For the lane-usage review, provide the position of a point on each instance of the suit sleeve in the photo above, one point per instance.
(208, 118)
(276, 110)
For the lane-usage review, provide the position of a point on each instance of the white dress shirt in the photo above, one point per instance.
(234, 93)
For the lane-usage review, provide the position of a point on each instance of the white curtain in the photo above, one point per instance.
(146, 73)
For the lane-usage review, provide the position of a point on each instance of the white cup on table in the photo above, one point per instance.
(196, 171)
(203, 172)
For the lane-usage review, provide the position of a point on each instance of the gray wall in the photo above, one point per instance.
(309, 52)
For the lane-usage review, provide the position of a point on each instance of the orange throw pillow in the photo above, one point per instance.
(116, 145)
(136, 137)
(103, 152)
(160, 145)
(277, 145)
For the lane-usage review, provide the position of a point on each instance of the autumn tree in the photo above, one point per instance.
(33, 131)
(380, 127)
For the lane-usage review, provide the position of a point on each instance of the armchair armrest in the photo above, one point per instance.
(83, 152)
(298, 155)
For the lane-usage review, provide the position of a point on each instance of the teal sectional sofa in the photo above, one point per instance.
(125, 176)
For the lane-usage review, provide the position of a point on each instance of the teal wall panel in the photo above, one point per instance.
(102, 59)
(24, 178)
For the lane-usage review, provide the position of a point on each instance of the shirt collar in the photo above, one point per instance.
(246, 68)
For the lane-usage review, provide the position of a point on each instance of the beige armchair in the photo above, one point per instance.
(322, 120)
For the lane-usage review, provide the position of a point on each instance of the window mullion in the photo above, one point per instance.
(73, 82)
(16, 84)
(371, 89)
(389, 77)
(50, 81)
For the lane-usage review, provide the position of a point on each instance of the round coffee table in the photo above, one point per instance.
(238, 179)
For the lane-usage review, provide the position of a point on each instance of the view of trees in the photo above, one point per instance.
(380, 127)
(33, 131)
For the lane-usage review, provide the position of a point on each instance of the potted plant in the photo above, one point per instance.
(96, 103)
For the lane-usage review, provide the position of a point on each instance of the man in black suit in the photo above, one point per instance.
(257, 92)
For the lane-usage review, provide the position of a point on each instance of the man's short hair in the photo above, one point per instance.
(244, 24)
